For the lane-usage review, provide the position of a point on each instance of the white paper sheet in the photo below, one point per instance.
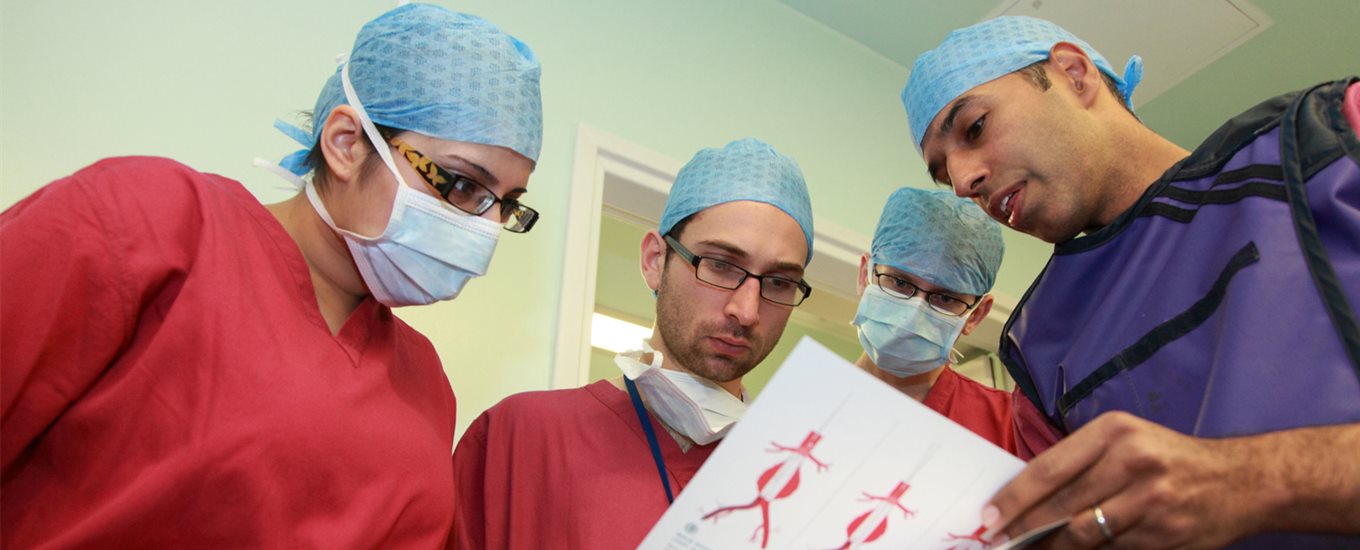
(829, 457)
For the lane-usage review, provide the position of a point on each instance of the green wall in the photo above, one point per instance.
(202, 82)
(1309, 42)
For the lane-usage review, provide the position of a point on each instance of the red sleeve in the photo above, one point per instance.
(65, 303)
(1034, 434)
(469, 488)
(80, 260)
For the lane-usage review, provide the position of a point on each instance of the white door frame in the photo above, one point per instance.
(635, 174)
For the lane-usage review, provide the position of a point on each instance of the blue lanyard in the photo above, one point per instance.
(651, 437)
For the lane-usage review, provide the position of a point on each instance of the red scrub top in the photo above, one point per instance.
(1034, 434)
(983, 410)
(563, 469)
(167, 380)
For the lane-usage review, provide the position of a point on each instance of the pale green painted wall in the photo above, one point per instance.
(202, 82)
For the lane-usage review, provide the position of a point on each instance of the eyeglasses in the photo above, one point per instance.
(729, 276)
(468, 195)
(898, 287)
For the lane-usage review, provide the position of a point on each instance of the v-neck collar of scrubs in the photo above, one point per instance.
(358, 328)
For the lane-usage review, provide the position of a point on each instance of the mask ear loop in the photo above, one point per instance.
(657, 358)
(953, 351)
(274, 168)
(372, 131)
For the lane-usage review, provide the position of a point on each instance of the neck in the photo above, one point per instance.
(685, 443)
(731, 386)
(916, 387)
(1143, 157)
(338, 286)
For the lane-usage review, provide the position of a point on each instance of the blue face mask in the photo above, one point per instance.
(904, 337)
(427, 253)
(429, 249)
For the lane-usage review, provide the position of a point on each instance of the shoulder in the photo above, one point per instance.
(535, 403)
(142, 190)
(968, 385)
(548, 410)
(156, 204)
(166, 180)
(1320, 128)
(147, 176)
(133, 165)
(412, 343)
(526, 420)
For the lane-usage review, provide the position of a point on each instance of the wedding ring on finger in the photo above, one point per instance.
(1103, 523)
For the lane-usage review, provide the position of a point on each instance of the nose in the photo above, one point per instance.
(494, 214)
(967, 173)
(743, 304)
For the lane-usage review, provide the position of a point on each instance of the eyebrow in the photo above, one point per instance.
(922, 283)
(948, 124)
(740, 254)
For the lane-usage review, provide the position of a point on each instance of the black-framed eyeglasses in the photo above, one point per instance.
(726, 275)
(466, 194)
(898, 287)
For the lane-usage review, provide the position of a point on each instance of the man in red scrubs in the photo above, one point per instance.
(924, 283)
(595, 467)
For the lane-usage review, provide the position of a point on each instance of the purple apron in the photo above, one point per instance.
(1223, 302)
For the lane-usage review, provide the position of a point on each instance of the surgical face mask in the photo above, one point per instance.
(429, 249)
(905, 337)
(697, 408)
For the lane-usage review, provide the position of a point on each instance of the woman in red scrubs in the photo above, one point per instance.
(185, 367)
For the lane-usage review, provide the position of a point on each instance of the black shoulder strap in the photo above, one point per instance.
(1307, 143)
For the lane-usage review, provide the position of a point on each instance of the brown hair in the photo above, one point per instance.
(1036, 74)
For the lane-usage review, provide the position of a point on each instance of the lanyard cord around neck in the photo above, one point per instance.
(651, 437)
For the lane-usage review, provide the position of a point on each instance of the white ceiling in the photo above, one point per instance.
(1175, 38)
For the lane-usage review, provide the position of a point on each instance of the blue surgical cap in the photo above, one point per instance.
(979, 54)
(447, 75)
(744, 170)
(941, 238)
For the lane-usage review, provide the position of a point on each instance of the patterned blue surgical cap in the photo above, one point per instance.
(979, 54)
(941, 238)
(432, 71)
(744, 170)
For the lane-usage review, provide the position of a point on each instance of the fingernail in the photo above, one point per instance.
(990, 516)
(1000, 539)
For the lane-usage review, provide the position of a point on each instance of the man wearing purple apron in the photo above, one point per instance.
(1192, 348)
